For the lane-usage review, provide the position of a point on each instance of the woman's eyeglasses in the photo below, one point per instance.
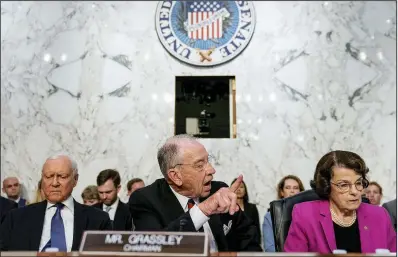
(360, 184)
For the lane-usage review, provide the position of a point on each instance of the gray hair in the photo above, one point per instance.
(170, 152)
(72, 162)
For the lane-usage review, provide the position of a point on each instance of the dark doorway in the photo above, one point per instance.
(204, 106)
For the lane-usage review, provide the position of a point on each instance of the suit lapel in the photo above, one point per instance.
(327, 224)
(37, 226)
(119, 218)
(364, 230)
(79, 224)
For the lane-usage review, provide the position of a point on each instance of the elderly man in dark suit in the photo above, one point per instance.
(391, 207)
(59, 221)
(6, 206)
(187, 199)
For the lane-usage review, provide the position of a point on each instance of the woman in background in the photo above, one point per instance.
(249, 209)
(374, 193)
(39, 193)
(90, 195)
(287, 186)
(340, 221)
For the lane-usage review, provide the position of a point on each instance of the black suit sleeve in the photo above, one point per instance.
(146, 219)
(102, 219)
(129, 223)
(256, 220)
(5, 232)
(6, 206)
(106, 224)
(245, 234)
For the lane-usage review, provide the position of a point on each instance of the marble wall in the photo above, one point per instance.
(91, 79)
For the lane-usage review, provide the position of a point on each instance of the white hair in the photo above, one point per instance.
(72, 162)
(170, 152)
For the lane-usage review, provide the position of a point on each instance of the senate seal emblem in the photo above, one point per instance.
(205, 33)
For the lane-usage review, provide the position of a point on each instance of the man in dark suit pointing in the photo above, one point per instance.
(187, 199)
(58, 222)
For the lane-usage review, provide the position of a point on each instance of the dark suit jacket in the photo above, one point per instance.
(391, 207)
(22, 228)
(252, 212)
(5, 206)
(123, 220)
(155, 208)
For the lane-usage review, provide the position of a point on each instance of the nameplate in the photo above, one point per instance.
(144, 243)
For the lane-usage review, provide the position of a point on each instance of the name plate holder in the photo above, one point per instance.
(138, 243)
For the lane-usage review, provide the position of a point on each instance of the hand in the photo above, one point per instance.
(223, 201)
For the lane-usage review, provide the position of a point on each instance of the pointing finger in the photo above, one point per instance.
(236, 184)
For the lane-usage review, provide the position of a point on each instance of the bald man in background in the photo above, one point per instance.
(12, 188)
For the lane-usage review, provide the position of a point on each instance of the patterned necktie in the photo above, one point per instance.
(191, 203)
(58, 230)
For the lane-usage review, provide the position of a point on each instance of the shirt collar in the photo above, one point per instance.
(113, 206)
(183, 200)
(68, 204)
(17, 200)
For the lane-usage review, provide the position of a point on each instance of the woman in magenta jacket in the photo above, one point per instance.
(340, 220)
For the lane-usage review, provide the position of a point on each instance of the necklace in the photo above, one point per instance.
(340, 222)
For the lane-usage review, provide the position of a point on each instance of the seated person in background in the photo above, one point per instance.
(108, 182)
(187, 199)
(287, 186)
(134, 184)
(391, 207)
(6, 206)
(12, 188)
(90, 195)
(39, 193)
(340, 221)
(374, 193)
(58, 222)
(364, 198)
(249, 209)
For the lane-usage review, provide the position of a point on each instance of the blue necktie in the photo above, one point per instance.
(58, 230)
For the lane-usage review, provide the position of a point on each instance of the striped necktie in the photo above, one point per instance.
(191, 203)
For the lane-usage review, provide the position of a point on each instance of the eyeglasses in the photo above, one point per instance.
(360, 184)
(201, 165)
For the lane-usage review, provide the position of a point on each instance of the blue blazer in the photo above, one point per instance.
(268, 234)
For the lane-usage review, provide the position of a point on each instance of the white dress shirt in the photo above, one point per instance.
(67, 214)
(199, 219)
(112, 210)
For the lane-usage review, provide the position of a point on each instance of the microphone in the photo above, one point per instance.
(183, 222)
